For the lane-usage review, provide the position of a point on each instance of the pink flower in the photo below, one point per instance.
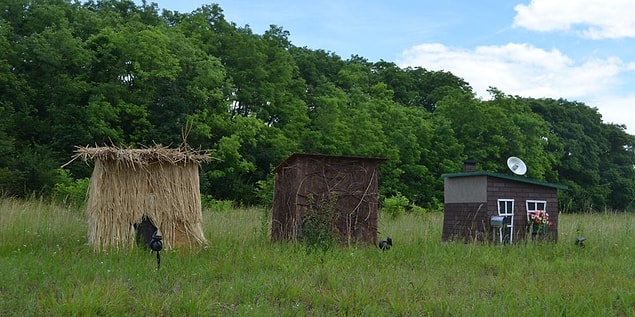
(539, 217)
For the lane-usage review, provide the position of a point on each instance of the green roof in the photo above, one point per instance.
(521, 179)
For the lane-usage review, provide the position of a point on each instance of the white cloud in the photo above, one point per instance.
(600, 19)
(617, 109)
(518, 69)
(528, 71)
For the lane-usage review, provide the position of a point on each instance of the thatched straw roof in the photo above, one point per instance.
(142, 156)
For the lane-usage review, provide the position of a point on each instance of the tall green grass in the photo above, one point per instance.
(46, 269)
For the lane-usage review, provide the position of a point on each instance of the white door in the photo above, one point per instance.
(506, 209)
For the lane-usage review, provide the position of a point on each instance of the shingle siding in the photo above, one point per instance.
(469, 221)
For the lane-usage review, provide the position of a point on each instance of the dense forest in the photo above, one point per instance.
(116, 73)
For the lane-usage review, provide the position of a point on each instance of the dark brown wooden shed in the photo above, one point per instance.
(471, 198)
(346, 185)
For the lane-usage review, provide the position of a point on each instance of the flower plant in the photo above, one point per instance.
(539, 221)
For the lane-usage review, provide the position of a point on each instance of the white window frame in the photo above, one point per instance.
(506, 213)
(535, 206)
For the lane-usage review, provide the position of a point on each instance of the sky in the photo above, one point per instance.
(579, 50)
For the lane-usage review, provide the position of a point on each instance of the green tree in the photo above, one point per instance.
(418, 87)
(527, 135)
(491, 131)
(617, 168)
(327, 132)
(585, 146)
(10, 95)
(110, 71)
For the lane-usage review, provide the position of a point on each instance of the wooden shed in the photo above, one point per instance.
(135, 192)
(487, 206)
(345, 186)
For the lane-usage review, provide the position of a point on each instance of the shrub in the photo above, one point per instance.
(69, 191)
(416, 210)
(395, 206)
(318, 225)
(264, 191)
(213, 204)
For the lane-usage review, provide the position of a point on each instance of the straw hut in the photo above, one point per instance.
(345, 187)
(135, 192)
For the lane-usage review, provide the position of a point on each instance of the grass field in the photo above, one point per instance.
(47, 269)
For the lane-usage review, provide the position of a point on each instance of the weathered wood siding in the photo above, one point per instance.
(471, 201)
(350, 184)
(498, 188)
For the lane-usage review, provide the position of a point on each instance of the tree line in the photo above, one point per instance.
(114, 72)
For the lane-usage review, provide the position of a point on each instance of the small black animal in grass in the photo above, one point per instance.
(580, 241)
(385, 244)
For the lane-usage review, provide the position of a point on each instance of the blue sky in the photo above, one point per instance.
(580, 50)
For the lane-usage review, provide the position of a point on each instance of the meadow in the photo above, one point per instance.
(47, 269)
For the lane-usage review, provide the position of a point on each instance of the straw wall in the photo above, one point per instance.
(122, 192)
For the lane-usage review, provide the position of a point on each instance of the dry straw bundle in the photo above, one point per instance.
(128, 184)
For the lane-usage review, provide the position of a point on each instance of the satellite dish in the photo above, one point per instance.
(516, 165)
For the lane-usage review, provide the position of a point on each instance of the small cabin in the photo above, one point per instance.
(341, 188)
(487, 206)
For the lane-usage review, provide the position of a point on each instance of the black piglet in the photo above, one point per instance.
(385, 244)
